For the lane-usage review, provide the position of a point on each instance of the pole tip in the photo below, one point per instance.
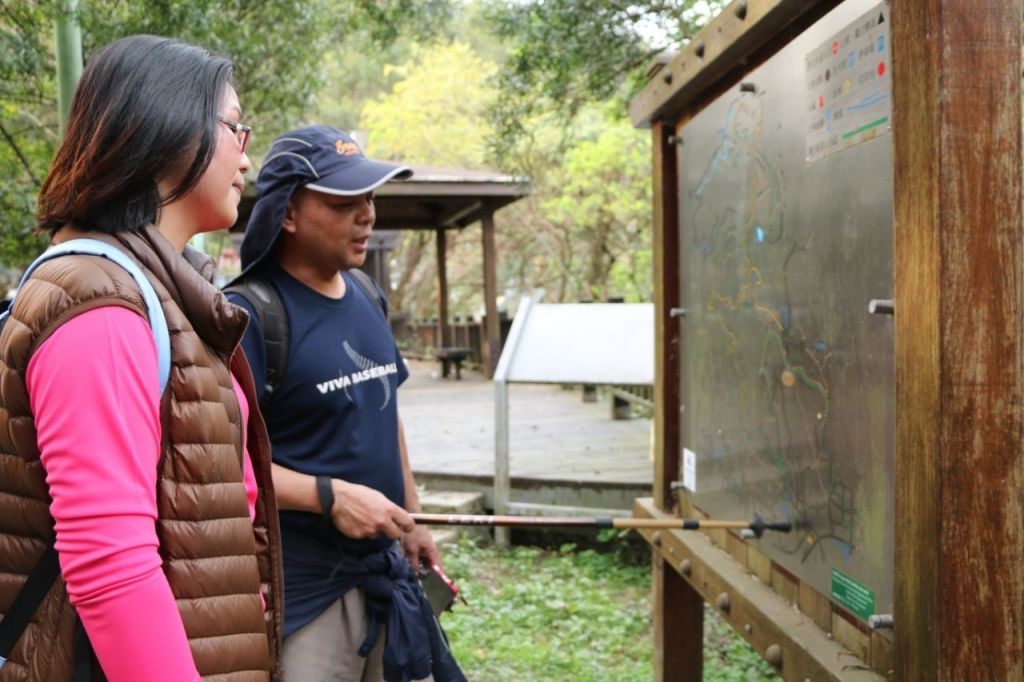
(758, 525)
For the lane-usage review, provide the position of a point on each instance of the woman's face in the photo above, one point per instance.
(213, 203)
(221, 185)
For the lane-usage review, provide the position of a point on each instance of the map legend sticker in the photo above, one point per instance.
(689, 470)
(849, 86)
(851, 594)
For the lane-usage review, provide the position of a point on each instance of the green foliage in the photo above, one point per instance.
(281, 48)
(28, 121)
(386, 18)
(567, 53)
(277, 46)
(570, 614)
(473, 24)
(602, 212)
(354, 76)
(584, 233)
(434, 114)
(727, 657)
(537, 614)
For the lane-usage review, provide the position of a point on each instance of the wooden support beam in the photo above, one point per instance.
(959, 532)
(452, 218)
(443, 330)
(731, 39)
(678, 625)
(678, 608)
(667, 292)
(492, 333)
(791, 641)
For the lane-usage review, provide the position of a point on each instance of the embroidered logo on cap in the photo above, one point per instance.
(346, 148)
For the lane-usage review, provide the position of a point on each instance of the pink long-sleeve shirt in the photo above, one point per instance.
(93, 389)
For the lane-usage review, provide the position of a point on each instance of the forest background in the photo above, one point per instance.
(529, 88)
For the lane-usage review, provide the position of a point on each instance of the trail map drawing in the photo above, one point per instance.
(787, 379)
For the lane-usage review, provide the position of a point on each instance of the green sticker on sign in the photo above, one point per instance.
(851, 594)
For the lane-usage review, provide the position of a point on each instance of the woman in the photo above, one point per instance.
(163, 507)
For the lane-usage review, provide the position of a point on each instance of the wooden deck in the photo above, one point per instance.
(563, 451)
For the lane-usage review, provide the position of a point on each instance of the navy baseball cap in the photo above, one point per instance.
(320, 158)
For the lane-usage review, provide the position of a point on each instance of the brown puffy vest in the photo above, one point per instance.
(216, 560)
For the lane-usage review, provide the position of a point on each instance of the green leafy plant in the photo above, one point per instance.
(567, 613)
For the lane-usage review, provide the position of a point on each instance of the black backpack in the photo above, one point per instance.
(273, 319)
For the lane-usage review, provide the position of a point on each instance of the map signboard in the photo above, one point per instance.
(786, 236)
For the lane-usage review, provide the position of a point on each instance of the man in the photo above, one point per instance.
(328, 388)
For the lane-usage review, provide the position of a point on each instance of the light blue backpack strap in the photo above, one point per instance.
(157, 321)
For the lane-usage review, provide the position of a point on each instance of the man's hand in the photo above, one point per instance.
(362, 512)
(419, 546)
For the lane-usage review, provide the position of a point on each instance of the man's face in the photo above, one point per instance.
(330, 230)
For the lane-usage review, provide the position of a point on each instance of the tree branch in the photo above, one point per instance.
(17, 151)
(40, 125)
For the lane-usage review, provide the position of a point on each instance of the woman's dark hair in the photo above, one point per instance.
(146, 108)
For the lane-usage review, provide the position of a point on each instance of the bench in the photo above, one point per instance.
(452, 356)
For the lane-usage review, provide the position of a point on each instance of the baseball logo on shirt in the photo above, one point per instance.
(368, 369)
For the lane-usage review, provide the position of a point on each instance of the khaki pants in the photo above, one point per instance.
(327, 649)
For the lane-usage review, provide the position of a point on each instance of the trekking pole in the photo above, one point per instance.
(757, 525)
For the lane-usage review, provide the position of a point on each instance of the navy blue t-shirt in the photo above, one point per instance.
(335, 414)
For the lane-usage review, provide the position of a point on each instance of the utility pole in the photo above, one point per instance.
(68, 33)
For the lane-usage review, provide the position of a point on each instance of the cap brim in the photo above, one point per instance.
(360, 178)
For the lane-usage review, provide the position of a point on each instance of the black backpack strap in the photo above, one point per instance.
(83, 660)
(370, 287)
(25, 604)
(273, 319)
(28, 599)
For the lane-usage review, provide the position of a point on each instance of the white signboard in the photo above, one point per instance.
(595, 343)
(849, 86)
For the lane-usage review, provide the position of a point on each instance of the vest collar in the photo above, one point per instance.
(187, 279)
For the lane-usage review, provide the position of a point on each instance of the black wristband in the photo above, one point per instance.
(325, 492)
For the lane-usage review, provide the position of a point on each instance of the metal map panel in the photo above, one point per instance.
(786, 213)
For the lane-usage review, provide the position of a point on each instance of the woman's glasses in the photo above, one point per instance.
(242, 133)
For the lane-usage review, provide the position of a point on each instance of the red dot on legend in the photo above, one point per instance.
(835, 47)
(881, 68)
(821, 101)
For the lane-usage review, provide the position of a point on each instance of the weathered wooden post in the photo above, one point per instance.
(959, 579)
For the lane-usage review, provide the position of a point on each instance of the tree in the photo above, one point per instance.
(434, 115)
(583, 233)
(28, 122)
(353, 76)
(567, 53)
(278, 48)
(601, 215)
